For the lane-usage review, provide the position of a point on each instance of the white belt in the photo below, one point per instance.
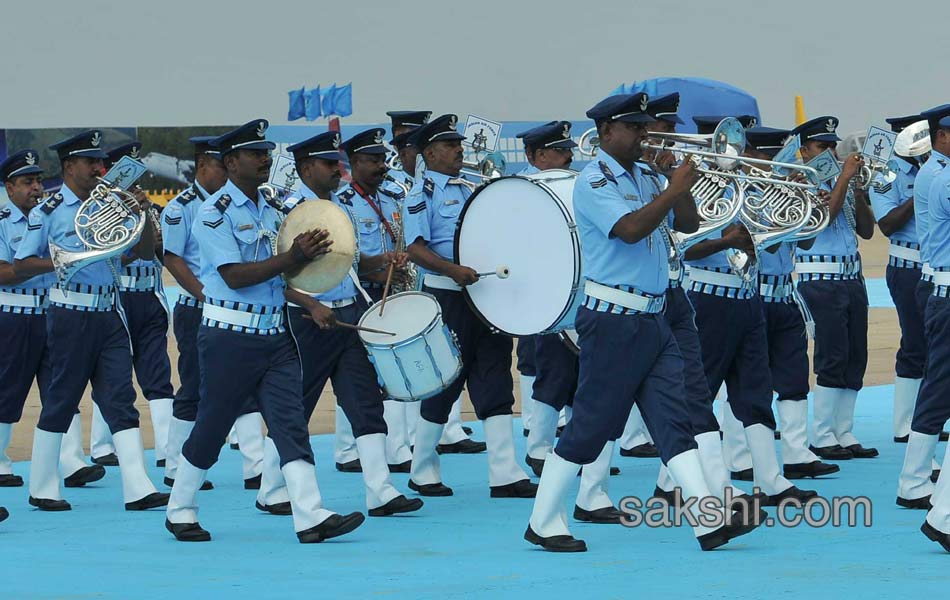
(82, 299)
(183, 292)
(829, 268)
(22, 300)
(629, 300)
(337, 303)
(441, 282)
(771, 290)
(942, 278)
(143, 283)
(928, 270)
(716, 278)
(240, 318)
(905, 253)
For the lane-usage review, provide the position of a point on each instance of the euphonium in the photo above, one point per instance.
(108, 223)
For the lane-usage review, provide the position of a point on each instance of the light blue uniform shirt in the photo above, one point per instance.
(346, 289)
(12, 231)
(925, 177)
(233, 229)
(432, 212)
(885, 197)
(780, 262)
(838, 239)
(603, 194)
(397, 180)
(529, 170)
(178, 218)
(53, 221)
(940, 221)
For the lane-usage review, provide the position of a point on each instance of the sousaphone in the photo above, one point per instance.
(325, 272)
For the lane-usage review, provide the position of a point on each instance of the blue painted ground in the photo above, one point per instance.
(463, 546)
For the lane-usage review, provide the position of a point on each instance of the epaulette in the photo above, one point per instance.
(428, 186)
(223, 203)
(51, 203)
(346, 196)
(4, 213)
(394, 195)
(607, 172)
(187, 196)
(388, 177)
(943, 163)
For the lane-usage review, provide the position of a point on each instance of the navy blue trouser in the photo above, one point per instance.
(88, 347)
(735, 351)
(626, 359)
(337, 355)
(486, 363)
(527, 355)
(788, 350)
(185, 323)
(902, 284)
(24, 357)
(933, 402)
(235, 366)
(556, 371)
(922, 294)
(840, 310)
(148, 328)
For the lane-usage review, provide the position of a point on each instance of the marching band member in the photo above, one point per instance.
(432, 212)
(625, 260)
(23, 306)
(244, 347)
(337, 354)
(88, 340)
(404, 122)
(933, 405)
(932, 409)
(832, 286)
(785, 332)
(732, 332)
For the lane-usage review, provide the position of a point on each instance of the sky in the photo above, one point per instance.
(104, 63)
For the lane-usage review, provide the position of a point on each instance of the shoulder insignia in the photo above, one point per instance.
(596, 181)
(882, 188)
(346, 196)
(428, 186)
(222, 203)
(607, 172)
(187, 196)
(416, 208)
(943, 163)
(51, 203)
(172, 220)
(4, 213)
(214, 224)
(393, 194)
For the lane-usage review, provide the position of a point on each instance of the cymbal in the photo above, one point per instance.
(325, 272)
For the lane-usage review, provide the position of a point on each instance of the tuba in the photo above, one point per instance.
(108, 223)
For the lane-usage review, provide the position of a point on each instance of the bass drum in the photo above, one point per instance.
(527, 225)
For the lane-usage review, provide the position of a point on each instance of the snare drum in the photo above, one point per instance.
(423, 358)
(527, 225)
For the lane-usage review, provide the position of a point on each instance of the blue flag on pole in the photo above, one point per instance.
(343, 100)
(296, 108)
(327, 98)
(312, 104)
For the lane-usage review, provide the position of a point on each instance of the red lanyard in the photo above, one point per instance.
(372, 203)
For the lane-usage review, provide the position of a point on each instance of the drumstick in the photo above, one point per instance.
(366, 329)
(501, 272)
(389, 278)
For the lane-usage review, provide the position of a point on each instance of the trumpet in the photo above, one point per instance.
(486, 169)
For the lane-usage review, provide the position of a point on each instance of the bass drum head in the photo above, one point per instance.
(522, 225)
(407, 315)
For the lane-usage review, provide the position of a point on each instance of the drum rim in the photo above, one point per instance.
(578, 267)
(428, 328)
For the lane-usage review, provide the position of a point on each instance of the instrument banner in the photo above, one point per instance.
(125, 172)
(827, 166)
(879, 146)
(283, 174)
(481, 134)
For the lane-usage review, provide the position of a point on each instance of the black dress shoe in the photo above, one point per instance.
(916, 503)
(945, 436)
(399, 504)
(536, 464)
(462, 447)
(778, 434)
(4, 513)
(205, 486)
(404, 467)
(670, 497)
(85, 475)
(253, 483)
(646, 450)
(187, 532)
(935, 475)
(518, 489)
(11, 480)
(813, 469)
(153, 500)
(743, 475)
(50, 505)
(556, 543)
(352, 466)
(859, 451)
(467, 429)
(334, 526)
(835, 452)
(614, 471)
(160, 463)
(901, 439)
(607, 515)
(281, 509)
(935, 535)
(721, 536)
(802, 496)
(109, 460)
(430, 489)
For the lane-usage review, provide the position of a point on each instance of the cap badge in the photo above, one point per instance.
(336, 141)
(566, 132)
(30, 158)
(378, 138)
(453, 121)
(830, 125)
(95, 139)
(644, 101)
(134, 153)
(261, 128)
